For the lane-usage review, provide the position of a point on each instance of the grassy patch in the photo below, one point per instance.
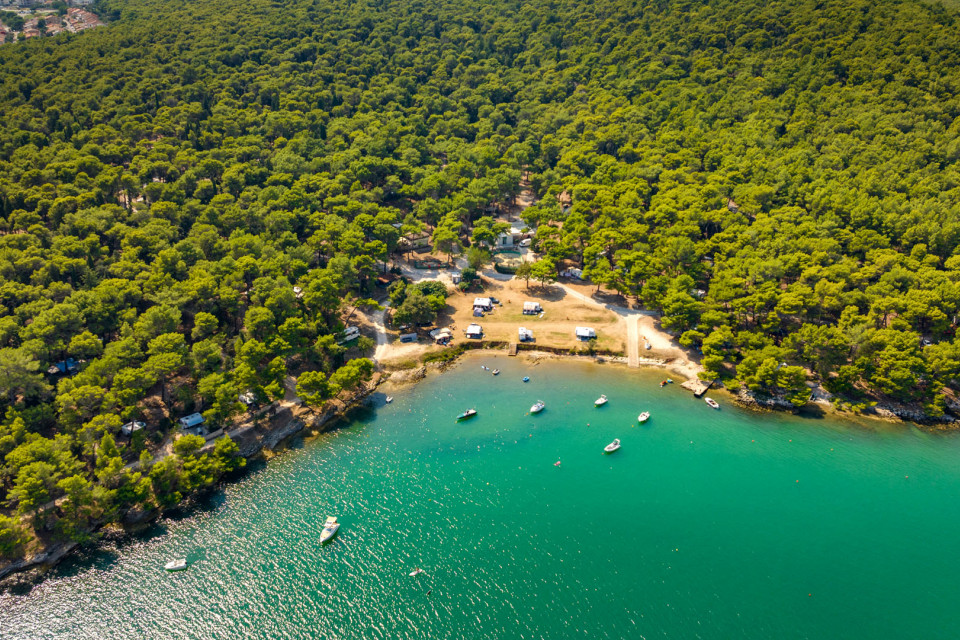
(447, 355)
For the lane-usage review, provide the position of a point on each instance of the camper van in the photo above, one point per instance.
(350, 333)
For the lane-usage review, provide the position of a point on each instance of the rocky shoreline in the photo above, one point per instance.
(884, 411)
(252, 441)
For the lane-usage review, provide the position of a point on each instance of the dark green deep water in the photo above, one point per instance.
(706, 524)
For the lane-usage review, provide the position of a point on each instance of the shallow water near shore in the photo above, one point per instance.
(706, 524)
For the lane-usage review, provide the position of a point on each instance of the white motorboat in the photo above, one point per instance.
(176, 565)
(330, 528)
(415, 572)
(496, 372)
(643, 417)
(469, 413)
(537, 407)
(599, 402)
(712, 403)
(613, 446)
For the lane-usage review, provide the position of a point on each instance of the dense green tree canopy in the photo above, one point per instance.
(188, 195)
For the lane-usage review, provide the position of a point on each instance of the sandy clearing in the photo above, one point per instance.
(620, 329)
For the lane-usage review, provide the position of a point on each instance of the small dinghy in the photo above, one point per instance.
(469, 413)
(643, 417)
(526, 378)
(537, 407)
(712, 403)
(496, 372)
(613, 446)
(415, 572)
(599, 402)
(330, 528)
(389, 399)
(176, 565)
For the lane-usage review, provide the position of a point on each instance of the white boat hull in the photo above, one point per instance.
(176, 565)
(613, 446)
(330, 528)
(328, 534)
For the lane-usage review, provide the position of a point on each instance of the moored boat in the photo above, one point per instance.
(176, 565)
(643, 417)
(469, 413)
(330, 528)
(537, 407)
(496, 372)
(526, 378)
(415, 572)
(389, 399)
(599, 402)
(613, 446)
(712, 403)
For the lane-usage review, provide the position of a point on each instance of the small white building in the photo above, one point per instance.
(531, 308)
(509, 238)
(524, 334)
(415, 241)
(585, 333)
(484, 303)
(474, 332)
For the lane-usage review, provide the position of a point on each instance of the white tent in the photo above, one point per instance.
(585, 333)
(475, 331)
(531, 308)
(441, 335)
(483, 303)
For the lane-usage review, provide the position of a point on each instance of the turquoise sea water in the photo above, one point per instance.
(706, 524)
